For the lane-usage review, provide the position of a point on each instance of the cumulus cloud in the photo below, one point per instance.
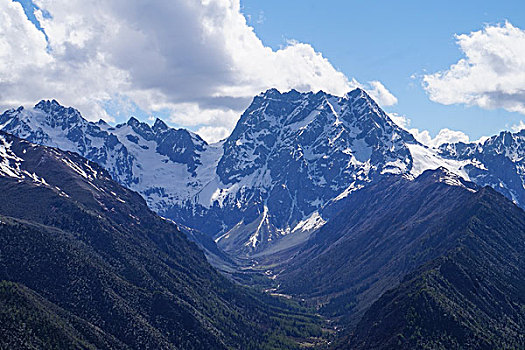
(444, 135)
(197, 61)
(518, 127)
(491, 75)
(381, 94)
(30, 70)
(400, 120)
(213, 133)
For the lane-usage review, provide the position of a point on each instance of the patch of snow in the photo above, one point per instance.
(11, 165)
(425, 159)
(302, 124)
(254, 238)
(76, 168)
(352, 188)
(396, 167)
(312, 222)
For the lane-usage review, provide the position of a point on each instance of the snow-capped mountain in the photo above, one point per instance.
(500, 163)
(159, 162)
(290, 154)
(291, 159)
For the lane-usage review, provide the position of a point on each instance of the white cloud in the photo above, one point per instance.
(21, 45)
(381, 94)
(492, 74)
(213, 133)
(400, 120)
(518, 127)
(444, 135)
(30, 70)
(198, 60)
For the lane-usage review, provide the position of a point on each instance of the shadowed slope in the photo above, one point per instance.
(88, 246)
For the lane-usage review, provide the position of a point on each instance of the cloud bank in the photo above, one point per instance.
(196, 60)
(492, 74)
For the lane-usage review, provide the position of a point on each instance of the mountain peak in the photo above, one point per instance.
(438, 172)
(50, 106)
(352, 94)
(133, 121)
(47, 104)
(270, 92)
(58, 114)
(160, 125)
(291, 94)
(358, 93)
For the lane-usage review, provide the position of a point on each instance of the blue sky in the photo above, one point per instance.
(197, 65)
(391, 41)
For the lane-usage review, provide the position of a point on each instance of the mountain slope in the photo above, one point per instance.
(29, 321)
(90, 247)
(390, 230)
(472, 297)
(384, 232)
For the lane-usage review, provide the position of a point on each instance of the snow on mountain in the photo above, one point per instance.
(13, 166)
(289, 163)
(292, 153)
(161, 163)
(498, 162)
(9, 162)
(424, 158)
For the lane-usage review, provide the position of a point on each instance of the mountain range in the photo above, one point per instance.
(247, 191)
(312, 197)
